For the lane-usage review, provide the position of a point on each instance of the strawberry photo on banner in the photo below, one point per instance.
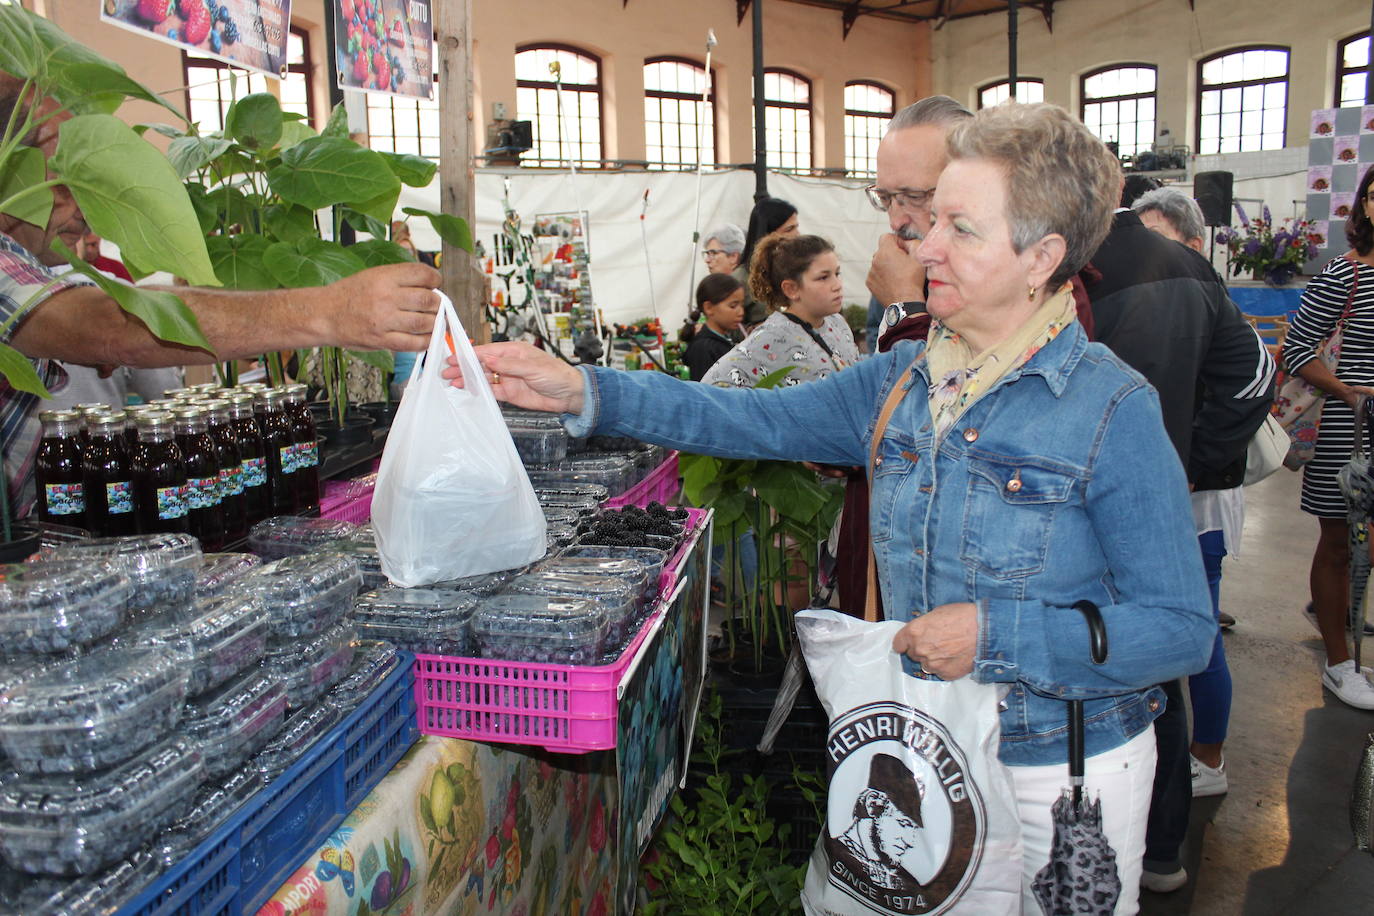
(385, 46)
(246, 33)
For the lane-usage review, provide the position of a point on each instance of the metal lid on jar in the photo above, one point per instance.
(59, 416)
(107, 424)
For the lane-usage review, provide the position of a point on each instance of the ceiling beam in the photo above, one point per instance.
(741, 10)
(850, 16)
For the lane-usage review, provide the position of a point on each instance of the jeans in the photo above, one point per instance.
(1172, 799)
(748, 551)
(1210, 690)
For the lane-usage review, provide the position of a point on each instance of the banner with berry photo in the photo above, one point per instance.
(246, 33)
(385, 46)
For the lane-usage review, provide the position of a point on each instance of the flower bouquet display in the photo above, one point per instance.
(1272, 255)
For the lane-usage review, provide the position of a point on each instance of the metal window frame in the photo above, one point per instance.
(1343, 71)
(865, 113)
(594, 88)
(685, 97)
(794, 106)
(1006, 82)
(1240, 84)
(1084, 101)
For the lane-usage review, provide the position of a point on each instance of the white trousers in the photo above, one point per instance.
(1123, 778)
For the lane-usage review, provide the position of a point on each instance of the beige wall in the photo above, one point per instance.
(800, 38)
(1089, 34)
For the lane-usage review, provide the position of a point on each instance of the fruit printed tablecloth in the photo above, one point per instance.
(461, 828)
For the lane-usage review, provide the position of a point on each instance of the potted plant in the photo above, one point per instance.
(1273, 255)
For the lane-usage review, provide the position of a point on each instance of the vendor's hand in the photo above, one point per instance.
(894, 275)
(943, 641)
(390, 307)
(526, 377)
(1351, 394)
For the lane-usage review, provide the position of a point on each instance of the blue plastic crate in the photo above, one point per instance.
(238, 867)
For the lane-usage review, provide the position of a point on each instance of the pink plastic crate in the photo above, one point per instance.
(568, 708)
(659, 485)
(348, 500)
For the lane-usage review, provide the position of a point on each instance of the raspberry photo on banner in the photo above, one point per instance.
(247, 33)
(385, 46)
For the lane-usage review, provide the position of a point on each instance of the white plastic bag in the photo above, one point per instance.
(920, 814)
(452, 498)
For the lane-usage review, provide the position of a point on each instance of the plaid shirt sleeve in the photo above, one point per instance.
(24, 285)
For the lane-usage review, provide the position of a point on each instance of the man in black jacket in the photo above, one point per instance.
(1162, 308)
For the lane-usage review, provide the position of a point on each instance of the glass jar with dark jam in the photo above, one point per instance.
(280, 441)
(202, 476)
(87, 411)
(230, 469)
(108, 477)
(307, 450)
(131, 415)
(57, 469)
(252, 454)
(159, 476)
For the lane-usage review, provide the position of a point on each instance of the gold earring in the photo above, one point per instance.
(1030, 293)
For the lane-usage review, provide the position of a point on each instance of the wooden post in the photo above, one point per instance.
(453, 62)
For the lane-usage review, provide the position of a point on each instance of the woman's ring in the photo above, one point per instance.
(496, 378)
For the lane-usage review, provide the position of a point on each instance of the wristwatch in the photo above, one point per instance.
(896, 311)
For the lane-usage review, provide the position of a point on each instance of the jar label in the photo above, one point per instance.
(119, 497)
(310, 454)
(203, 492)
(230, 481)
(288, 459)
(171, 501)
(254, 472)
(65, 498)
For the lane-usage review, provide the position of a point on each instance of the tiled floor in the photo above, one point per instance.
(1280, 842)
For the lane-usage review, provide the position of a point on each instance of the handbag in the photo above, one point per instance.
(1298, 403)
(1267, 450)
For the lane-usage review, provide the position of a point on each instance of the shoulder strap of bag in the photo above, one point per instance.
(894, 397)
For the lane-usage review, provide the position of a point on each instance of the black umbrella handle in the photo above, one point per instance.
(1363, 405)
(1097, 635)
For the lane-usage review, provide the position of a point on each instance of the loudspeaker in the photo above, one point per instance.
(1212, 190)
(523, 138)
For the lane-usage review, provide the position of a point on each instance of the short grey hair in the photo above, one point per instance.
(730, 236)
(1177, 208)
(940, 110)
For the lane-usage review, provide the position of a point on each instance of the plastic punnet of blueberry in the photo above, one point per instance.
(633, 571)
(212, 806)
(162, 567)
(221, 571)
(288, 535)
(216, 638)
(540, 628)
(78, 825)
(480, 585)
(620, 599)
(103, 892)
(300, 731)
(580, 491)
(311, 666)
(362, 547)
(60, 605)
(373, 663)
(92, 712)
(306, 594)
(652, 559)
(427, 620)
(234, 722)
(539, 445)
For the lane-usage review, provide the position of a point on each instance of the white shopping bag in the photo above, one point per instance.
(920, 814)
(452, 498)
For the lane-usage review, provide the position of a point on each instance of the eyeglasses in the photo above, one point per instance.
(712, 252)
(908, 199)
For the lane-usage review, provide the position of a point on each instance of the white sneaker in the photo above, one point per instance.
(1351, 687)
(1208, 781)
(1162, 883)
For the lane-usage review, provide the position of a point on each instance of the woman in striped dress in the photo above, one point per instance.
(1348, 279)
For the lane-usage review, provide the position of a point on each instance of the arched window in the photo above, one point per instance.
(577, 134)
(1242, 100)
(787, 119)
(212, 85)
(675, 121)
(1352, 66)
(868, 107)
(1119, 106)
(404, 125)
(1027, 90)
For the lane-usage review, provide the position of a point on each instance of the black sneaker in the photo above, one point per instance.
(1225, 621)
(1311, 616)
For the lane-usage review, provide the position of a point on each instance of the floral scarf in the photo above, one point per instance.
(959, 377)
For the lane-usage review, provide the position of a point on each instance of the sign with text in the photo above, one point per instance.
(385, 46)
(246, 33)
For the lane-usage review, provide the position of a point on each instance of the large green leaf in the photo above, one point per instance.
(416, 171)
(379, 251)
(193, 153)
(206, 211)
(293, 132)
(323, 171)
(288, 222)
(166, 316)
(311, 262)
(24, 169)
(698, 472)
(384, 360)
(255, 120)
(364, 223)
(730, 509)
(19, 372)
(380, 208)
(790, 490)
(238, 261)
(774, 378)
(130, 195)
(452, 229)
(231, 206)
(337, 125)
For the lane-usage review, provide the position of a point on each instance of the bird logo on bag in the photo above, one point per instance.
(904, 826)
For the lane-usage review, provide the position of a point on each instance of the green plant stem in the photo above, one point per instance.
(7, 203)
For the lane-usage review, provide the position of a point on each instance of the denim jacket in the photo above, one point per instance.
(1059, 484)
